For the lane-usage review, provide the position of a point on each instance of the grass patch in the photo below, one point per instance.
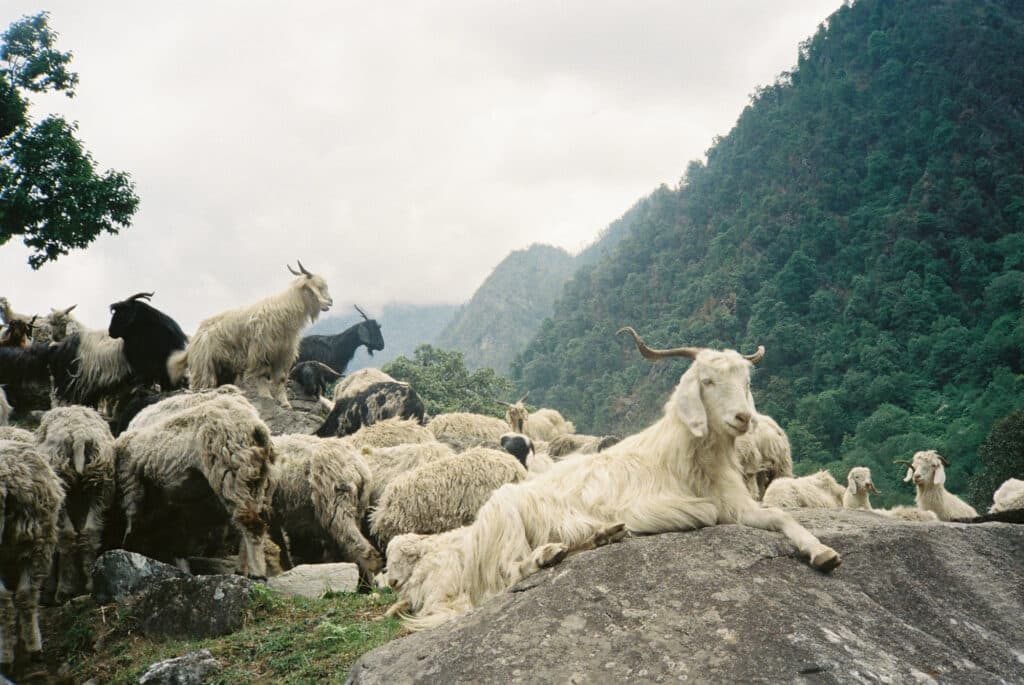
(284, 640)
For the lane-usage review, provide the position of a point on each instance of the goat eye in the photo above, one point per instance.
(707, 381)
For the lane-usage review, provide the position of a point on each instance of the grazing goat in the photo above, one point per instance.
(80, 449)
(928, 472)
(816, 491)
(313, 377)
(574, 443)
(389, 433)
(681, 473)
(258, 343)
(150, 337)
(336, 351)
(183, 471)
(366, 397)
(764, 455)
(543, 424)
(1008, 497)
(30, 501)
(858, 485)
(423, 500)
(321, 492)
(387, 463)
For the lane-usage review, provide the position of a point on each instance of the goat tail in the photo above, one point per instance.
(177, 365)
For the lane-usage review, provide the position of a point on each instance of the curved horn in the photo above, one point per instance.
(648, 353)
(942, 459)
(361, 312)
(503, 403)
(294, 272)
(32, 323)
(142, 296)
(523, 397)
(303, 269)
(68, 310)
(757, 356)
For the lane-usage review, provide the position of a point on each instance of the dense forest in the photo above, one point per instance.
(864, 220)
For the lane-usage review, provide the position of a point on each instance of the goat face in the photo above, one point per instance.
(516, 416)
(58, 320)
(122, 316)
(859, 480)
(315, 293)
(927, 468)
(370, 335)
(714, 395)
(403, 552)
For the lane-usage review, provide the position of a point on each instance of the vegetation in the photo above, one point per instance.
(443, 382)
(50, 193)
(1001, 456)
(284, 640)
(864, 220)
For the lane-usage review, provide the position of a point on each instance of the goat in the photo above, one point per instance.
(58, 325)
(387, 463)
(764, 454)
(574, 443)
(463, 426)
(389, 433)
(1008, 497)
(366, 397)
(928, 472)
(17, 333)
(543, 424)
(858, 484)
(25, 375)
(336, 351)
(816, 491)
(257, 343)
(150, 337)
(30, 501)
(313, 377)
(680, 473)
(525, 450)
(88, 367)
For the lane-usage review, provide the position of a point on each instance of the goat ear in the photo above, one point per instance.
(852, 487)
(691, 407)
(940, 476)
(909, 476)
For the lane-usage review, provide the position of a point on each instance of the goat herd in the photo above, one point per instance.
(462, 506)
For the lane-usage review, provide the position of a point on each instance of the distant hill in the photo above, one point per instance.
(507, 308)
(404, 327)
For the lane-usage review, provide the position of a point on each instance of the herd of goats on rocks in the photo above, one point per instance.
(149, 440)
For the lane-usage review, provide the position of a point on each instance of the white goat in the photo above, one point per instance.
(543, 424)
(80, 448)
(30, 501)
(17, 434)
(258, 343)
(1009, 496)
(389, 433)
(386, 463)
(575, 443)
(681, 473)
(816, 491)
(858, 485)
(928, 472)
(468, 426)
(764, 454)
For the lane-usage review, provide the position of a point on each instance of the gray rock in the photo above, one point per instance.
(194, 607)
(119, 574)
(912, 603)
(305, 416)
(191, 669)
(312, 580)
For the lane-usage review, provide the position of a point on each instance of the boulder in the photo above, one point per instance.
(912, 603)
(313, 580)
(119, 574)
(305, 416)
(194, 606)
(191, 669)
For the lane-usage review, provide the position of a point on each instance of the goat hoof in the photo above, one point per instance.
(550, 554)
(610, 534)
(826, 560)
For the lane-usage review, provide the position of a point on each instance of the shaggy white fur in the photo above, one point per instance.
(764, 455)
(1009, 495)
(816, 491)
(928, 472)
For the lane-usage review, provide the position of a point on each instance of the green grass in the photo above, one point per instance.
(284, 640)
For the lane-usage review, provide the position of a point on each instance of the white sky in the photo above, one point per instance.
(400, 149)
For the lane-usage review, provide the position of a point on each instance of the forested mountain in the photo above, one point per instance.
(404, 327)
(864, 220)
(507, 309)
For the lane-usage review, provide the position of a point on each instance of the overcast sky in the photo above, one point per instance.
(401, 150)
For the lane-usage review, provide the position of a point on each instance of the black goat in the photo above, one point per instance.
(313, 377)
(17, 333)
(25, 375)
(337, 350)
(149, 335)
(376, 402)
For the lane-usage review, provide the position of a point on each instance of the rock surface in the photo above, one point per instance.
(190, 669)
(912, 603)
(194, 607)
(313, 580)
(118, 574)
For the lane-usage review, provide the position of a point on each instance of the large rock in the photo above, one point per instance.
(119, 574)
(191, 669)
(194, 607)
(305, 416)
(313, 580)
(912, 603)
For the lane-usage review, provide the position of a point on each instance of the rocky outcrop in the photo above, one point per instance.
(193, 607)
(912, 603)
(119, 574)
(313, 580)
(190, 669)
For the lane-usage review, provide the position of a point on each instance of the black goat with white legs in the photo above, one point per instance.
(336, 351)
(149, 335)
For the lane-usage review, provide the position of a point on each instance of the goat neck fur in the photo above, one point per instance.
(30, 501)
(257, 343)
(1009, 496)
(858, 488)
(87, 367)
(927, 471)
(679, 474)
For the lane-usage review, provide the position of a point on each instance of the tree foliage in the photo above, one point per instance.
(1001, 456)
(864, 220)
(444, 384)
(50, 193)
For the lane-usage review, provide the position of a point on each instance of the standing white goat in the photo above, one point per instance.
(543, 424)
(928, 472)
(257, 343)
(679, 474)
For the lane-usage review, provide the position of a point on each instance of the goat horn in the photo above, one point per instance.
(648, 353)
(294, 272)
(757, 356)
(141, 296)
(942, 459)
(361, 312)
(872, 488)
(503, 403)
(68, 310)
(302, 268)
(32, 323)
(523, 397)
